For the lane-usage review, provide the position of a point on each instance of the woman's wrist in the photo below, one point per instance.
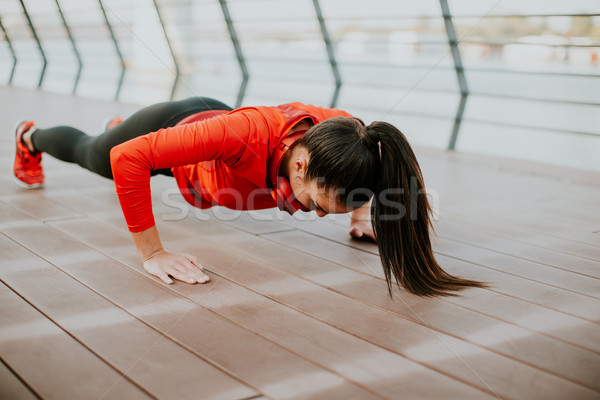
(148, 243)
(152, 254)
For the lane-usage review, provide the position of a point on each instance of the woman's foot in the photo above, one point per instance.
(28, 164)
(111, 123)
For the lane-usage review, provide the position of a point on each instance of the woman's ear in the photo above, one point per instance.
(301, 162)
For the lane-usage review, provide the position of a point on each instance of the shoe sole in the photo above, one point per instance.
(17, 180)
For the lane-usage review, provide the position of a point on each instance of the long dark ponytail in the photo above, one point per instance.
(345, 154)
(402, 219)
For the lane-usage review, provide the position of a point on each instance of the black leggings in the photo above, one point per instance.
(93, 152)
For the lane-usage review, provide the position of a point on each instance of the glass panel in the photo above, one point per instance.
(577, 151)
(201, 43)
(360, 9)
(406, 102)
(567, 117)
(551, 44)
(440, 79)
(284, 50)
(273, 92)
(579, 30)
(520, 7)
(269, 10)
(419, 131)
(223, 88)
(537, 86)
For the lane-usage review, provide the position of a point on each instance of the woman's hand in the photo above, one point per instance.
(181, 266)
(360, 223)
(161, 263)
(362, 230)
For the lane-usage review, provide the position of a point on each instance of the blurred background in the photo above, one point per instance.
(517, 78)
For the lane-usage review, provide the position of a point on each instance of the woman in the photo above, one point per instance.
(293, 156)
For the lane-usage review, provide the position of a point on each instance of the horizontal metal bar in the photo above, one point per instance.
(457, 92)
(465, 16)
(535, 99)
(250, 59)
(525, 15)
(528, 72)
(533, 127)
(493, 43)
(333, 18)
(422, 115)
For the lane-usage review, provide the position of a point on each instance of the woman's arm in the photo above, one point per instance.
(224, 138)
(161, 263)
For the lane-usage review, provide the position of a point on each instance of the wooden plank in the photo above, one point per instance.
(538, 318)
(162, 367)
(449, 175)
(531, 291)
(356, 360)
(207, 334)
(32, 203)
(549, 297)
(538, 238)
(536, 223)
(507, 339)
(52, 362)
(483, 256)
(519, 267)
(457, 229)
(9, 216)
(445, 353)
(11, 387)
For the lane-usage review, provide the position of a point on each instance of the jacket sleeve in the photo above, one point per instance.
(223, 137)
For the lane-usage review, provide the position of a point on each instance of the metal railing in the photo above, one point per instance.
(254, 42)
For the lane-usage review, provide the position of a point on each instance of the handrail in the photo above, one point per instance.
(238, 52)
(175, 63)
(37, 40)
(330, 54)
(12, 52)
(117, 49)
(73, 45)
(460, 73)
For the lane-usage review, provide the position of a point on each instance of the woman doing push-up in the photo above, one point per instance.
(293, 156)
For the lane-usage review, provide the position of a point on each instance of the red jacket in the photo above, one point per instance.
(222, 160)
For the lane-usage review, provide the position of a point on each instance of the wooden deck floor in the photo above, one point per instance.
(295, 309)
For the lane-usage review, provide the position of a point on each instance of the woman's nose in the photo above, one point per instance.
(321, 213)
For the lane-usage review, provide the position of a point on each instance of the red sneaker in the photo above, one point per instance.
(28, 166)
(112, 123)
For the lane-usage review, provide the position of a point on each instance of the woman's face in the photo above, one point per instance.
(314, 197)
(307, 191)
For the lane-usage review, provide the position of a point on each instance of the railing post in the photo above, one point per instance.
(37, 40)
(175, 63)
(12, 52)
(75, 50)
(238, 52)
(118, 50)
(330, 54)
(460, 72)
